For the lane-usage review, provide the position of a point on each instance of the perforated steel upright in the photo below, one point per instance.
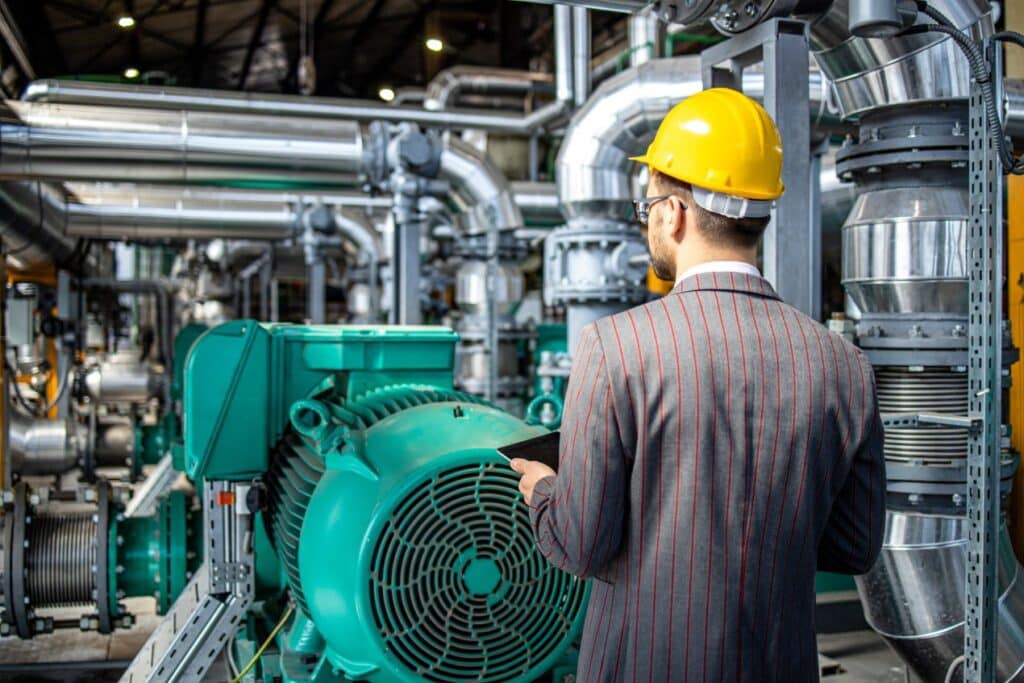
(985, 263)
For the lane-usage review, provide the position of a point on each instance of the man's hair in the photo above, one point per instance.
(717, 229)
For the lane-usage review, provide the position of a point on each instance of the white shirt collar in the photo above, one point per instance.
(720, 267)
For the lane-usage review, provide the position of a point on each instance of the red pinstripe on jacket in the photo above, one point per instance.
(718, 447)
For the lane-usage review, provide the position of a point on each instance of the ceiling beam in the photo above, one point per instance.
(254, 41)
(196, 57)
(103, 19)
(40, 41)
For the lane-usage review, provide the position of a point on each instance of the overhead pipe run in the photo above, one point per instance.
(108, 211)
(337, 110)
(81, 142)
(444, 90)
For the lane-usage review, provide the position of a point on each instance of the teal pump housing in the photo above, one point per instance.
(398, 528)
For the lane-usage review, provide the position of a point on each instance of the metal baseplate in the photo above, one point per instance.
(213, 605)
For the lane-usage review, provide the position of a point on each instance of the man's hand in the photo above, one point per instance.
(532, 472)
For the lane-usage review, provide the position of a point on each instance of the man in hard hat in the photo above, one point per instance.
(718, 446)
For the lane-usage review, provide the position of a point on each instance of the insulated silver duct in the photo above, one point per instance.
(595, 265)
(38, 446)
(122, 378)
(914, 596)
(905, 268)
(537, 201)
(870, 73)
(128, 211)
(358, 229)
(444, 89)
(340, 111)
(593, 169)
(646, 34)
(327, 108)
(81, 142)
(478, 189)
(31, 227)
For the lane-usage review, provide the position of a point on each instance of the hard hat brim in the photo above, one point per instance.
(641, 159)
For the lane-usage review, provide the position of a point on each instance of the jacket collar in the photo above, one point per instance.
(726, 282)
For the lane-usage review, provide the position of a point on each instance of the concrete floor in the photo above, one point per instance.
(860, 656)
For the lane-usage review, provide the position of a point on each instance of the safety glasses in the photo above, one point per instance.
(642, 207)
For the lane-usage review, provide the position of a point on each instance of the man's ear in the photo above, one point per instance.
(678, 219)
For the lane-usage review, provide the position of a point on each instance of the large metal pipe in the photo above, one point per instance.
(537, 201)
(646, 34)
(444, 89)
(82, 142)
(121, 378)
(914, 596)
(563, 53)
(33, 232)
(39, 446)
(478, 189)
(360, 231)
(593, 169)
(127, 211)
(337, 109)
(870, 73)
(905, 266)
(581, 55)
(345, 110)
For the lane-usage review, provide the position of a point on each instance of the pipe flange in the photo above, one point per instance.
(103, 575)
(18, 606)
(938, 489)
(908, 140)
(6, 570)
(595, 264)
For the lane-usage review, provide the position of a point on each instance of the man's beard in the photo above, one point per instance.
(663, 267)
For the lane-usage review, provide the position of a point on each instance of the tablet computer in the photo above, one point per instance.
(542, 448)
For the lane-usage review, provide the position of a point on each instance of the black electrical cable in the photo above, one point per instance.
(980, 70)
(1009, 37)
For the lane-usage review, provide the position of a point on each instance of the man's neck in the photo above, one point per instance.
(685, 262)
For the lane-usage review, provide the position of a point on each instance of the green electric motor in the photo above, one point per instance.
(405, 543)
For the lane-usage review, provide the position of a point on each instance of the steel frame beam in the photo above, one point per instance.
(985, 392)
(254, 41)
(792, 242)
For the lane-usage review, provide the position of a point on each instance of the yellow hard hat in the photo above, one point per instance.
(720, 140)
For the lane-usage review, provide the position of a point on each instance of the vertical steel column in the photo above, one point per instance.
(316, 286)
(275, 313)
(68, 311)
(246, 296)
(405, 268)
(265, 273)
(791, 253)
(985, 260)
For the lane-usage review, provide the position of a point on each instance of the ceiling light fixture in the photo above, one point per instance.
(386, 94)
(125, 21)
(131, 72)
(435, 44)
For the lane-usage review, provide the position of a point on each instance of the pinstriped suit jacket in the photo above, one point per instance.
(718, 446)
